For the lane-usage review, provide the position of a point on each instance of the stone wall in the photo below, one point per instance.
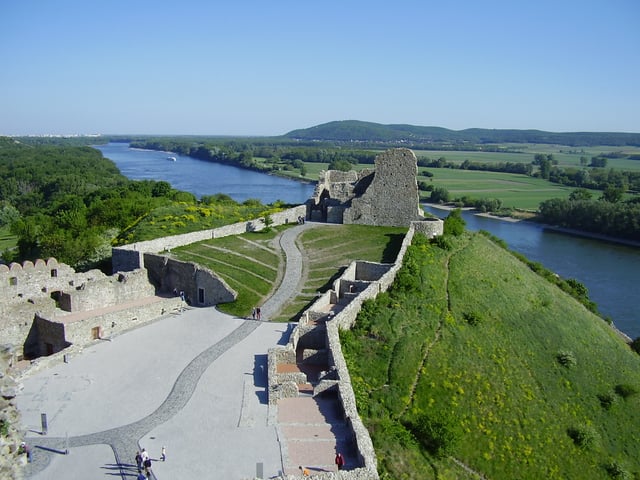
(368, 279)
(202, 287)
(392, 198)
(12, 462)
(129, 257)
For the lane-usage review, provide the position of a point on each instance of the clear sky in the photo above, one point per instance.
(246, 67)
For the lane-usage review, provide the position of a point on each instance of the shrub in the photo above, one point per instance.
(437, 433)
(616, 470)
(606, 400)
(454, 223)
(566, 359)
(625, 390)
(472, 318)
(635, 345)
(584, 436)
(442, 242)
(4, 428)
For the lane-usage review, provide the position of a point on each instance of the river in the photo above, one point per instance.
(609, 271)
(204, 178)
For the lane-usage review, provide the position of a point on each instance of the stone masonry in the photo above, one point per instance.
(387, 196)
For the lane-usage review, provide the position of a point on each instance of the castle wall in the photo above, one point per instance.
(392, 198)
(202, 287)
(128, 257)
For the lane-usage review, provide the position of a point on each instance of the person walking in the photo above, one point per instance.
(253, 313)
(163, 455)
(339, 460)
(139, 460)
(258, 313)
(304, 470)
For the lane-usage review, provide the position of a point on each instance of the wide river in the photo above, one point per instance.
(609, 271)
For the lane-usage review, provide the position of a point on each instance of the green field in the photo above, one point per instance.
(515, 191)
(7, 240)
(475, 367)
(566, 156)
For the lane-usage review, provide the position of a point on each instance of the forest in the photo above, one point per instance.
(71, 203)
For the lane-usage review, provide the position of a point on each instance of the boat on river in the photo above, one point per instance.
(171, 159)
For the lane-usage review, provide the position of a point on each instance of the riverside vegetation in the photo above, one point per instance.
(475, 366)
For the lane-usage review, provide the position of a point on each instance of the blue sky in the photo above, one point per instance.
(265, 68)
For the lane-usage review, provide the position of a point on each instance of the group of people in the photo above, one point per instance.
(143, 460)
(301, 220)
(339, 461)
(256, 313)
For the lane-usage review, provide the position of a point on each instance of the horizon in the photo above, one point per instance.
(133, 134)
(258, 70)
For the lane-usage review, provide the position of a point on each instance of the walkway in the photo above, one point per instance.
(195, 382)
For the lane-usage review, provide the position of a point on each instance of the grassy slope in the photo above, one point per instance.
(252, 263)
(499, 382)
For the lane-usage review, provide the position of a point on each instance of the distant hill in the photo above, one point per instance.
(368, 132)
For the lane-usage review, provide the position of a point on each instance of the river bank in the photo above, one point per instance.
(551, 228)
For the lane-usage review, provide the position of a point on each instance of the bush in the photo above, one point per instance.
(635, 345)
(616, 470)
(607, 400)
(584, 436)
(625, 390)
(472, 318)
(442, 242)
(437, 433)
(566, 359)
(454, 223)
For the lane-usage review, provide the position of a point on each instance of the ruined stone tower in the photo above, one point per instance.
(387, 196)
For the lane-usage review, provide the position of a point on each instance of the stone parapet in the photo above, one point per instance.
(124, 258)
(371, 279)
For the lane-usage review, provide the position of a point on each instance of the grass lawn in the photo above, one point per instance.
(7, 241)
(328, 249)
(473, 359)
(250, 263)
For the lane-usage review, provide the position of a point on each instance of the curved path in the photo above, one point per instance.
(212, 413)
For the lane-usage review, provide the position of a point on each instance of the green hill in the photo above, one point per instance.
(368, 132)
(475, 365)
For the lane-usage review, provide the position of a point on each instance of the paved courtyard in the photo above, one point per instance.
(195, 382)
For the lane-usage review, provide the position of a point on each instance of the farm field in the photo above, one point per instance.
(566, 156)
(473, 366)
(515, 191)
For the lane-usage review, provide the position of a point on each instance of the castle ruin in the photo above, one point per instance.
(386, 196)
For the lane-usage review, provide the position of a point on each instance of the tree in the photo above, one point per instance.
(454, 223)
(439, 195)
(339, 164)
(580, 194)
(612, 194)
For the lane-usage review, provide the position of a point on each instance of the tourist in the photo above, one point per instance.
(253, 313)
(139, 460)
(258, 313)
(339, 460)
(304, 470)
(163, 455)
